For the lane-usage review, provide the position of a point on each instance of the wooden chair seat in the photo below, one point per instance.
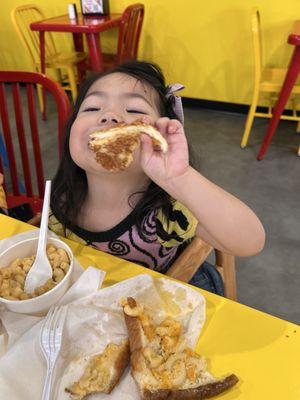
(194, 255)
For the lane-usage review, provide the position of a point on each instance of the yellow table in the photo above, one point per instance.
(263, 351)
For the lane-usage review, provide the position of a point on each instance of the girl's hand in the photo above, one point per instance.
(163, 167)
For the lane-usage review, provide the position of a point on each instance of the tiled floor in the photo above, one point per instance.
(269, 281)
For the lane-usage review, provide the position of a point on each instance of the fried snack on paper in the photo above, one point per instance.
(162, 364)
(102, 372)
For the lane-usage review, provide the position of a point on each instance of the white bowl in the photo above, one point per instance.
(40, 304)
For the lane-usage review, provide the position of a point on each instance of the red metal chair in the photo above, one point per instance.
(16, 140)
(129, 36)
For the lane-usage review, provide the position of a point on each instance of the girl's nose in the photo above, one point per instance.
(109, 118)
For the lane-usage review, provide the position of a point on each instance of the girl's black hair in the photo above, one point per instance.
(69, 187)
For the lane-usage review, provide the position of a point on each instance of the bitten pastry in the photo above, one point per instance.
(114, 147)
(162, 364)
(102, 372)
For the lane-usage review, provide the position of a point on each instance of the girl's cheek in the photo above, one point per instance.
(74, 144)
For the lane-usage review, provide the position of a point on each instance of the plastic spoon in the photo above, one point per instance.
(41, 269)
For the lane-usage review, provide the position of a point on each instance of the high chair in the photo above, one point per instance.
(188, 262)
(22, 17)
(20, 127)
(267, 81)
(128, 37)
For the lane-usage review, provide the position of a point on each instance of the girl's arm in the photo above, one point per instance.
(224, 221)
(3, 204)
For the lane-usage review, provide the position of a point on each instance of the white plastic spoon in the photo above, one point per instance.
(41, 269)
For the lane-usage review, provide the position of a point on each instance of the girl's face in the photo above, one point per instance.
(112, 99)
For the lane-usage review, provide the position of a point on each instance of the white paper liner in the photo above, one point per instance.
(93, 321)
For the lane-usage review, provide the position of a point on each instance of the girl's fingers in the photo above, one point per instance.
(146, 145)
(161, 124)
(175, 126)
(147, 120)
(168, 126)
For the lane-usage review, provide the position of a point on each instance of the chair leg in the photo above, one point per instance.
(81, 71)
(294, 108)
(250, 119)
(58, 75)
(72, 81)
(227, 264)
(40, 98)
(294, 103)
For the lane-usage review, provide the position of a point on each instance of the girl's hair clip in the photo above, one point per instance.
(176, 101)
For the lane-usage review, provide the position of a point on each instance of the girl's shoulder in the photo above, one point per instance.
(55, 226)
(175, 224)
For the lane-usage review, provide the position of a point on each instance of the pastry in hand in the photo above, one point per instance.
(114, 147)
(102, 372)
(162, 364)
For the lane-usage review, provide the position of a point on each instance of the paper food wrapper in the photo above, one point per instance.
(93, 321)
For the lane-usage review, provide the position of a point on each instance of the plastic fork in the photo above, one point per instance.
(50, 342)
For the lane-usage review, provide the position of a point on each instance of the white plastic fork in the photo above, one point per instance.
(50, 342)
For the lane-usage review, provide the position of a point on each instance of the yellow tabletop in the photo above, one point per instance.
(263, 351)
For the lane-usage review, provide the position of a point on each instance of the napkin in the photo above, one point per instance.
(22, 366)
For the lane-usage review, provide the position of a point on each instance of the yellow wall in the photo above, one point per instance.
(204, 45)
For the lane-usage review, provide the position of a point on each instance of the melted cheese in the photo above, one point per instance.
(98, 372)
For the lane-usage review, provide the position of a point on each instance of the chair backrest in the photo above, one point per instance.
(189, 261)
(20, 127)
(257, 43)
(22, 17)
(130, 32)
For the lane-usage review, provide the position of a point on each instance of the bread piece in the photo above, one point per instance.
(102, 372)
(114, 147)
(162, 364)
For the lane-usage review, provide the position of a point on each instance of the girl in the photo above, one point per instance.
(146, 212)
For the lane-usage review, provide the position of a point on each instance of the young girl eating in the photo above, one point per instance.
(146, 212)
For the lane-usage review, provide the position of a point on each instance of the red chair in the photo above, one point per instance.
(16, 140)
(129, 36)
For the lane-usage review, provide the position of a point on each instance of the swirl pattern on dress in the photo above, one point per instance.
(118, 247)
(149, 227)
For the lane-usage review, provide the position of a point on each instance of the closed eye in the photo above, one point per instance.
(91, 109)
(136, 112)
